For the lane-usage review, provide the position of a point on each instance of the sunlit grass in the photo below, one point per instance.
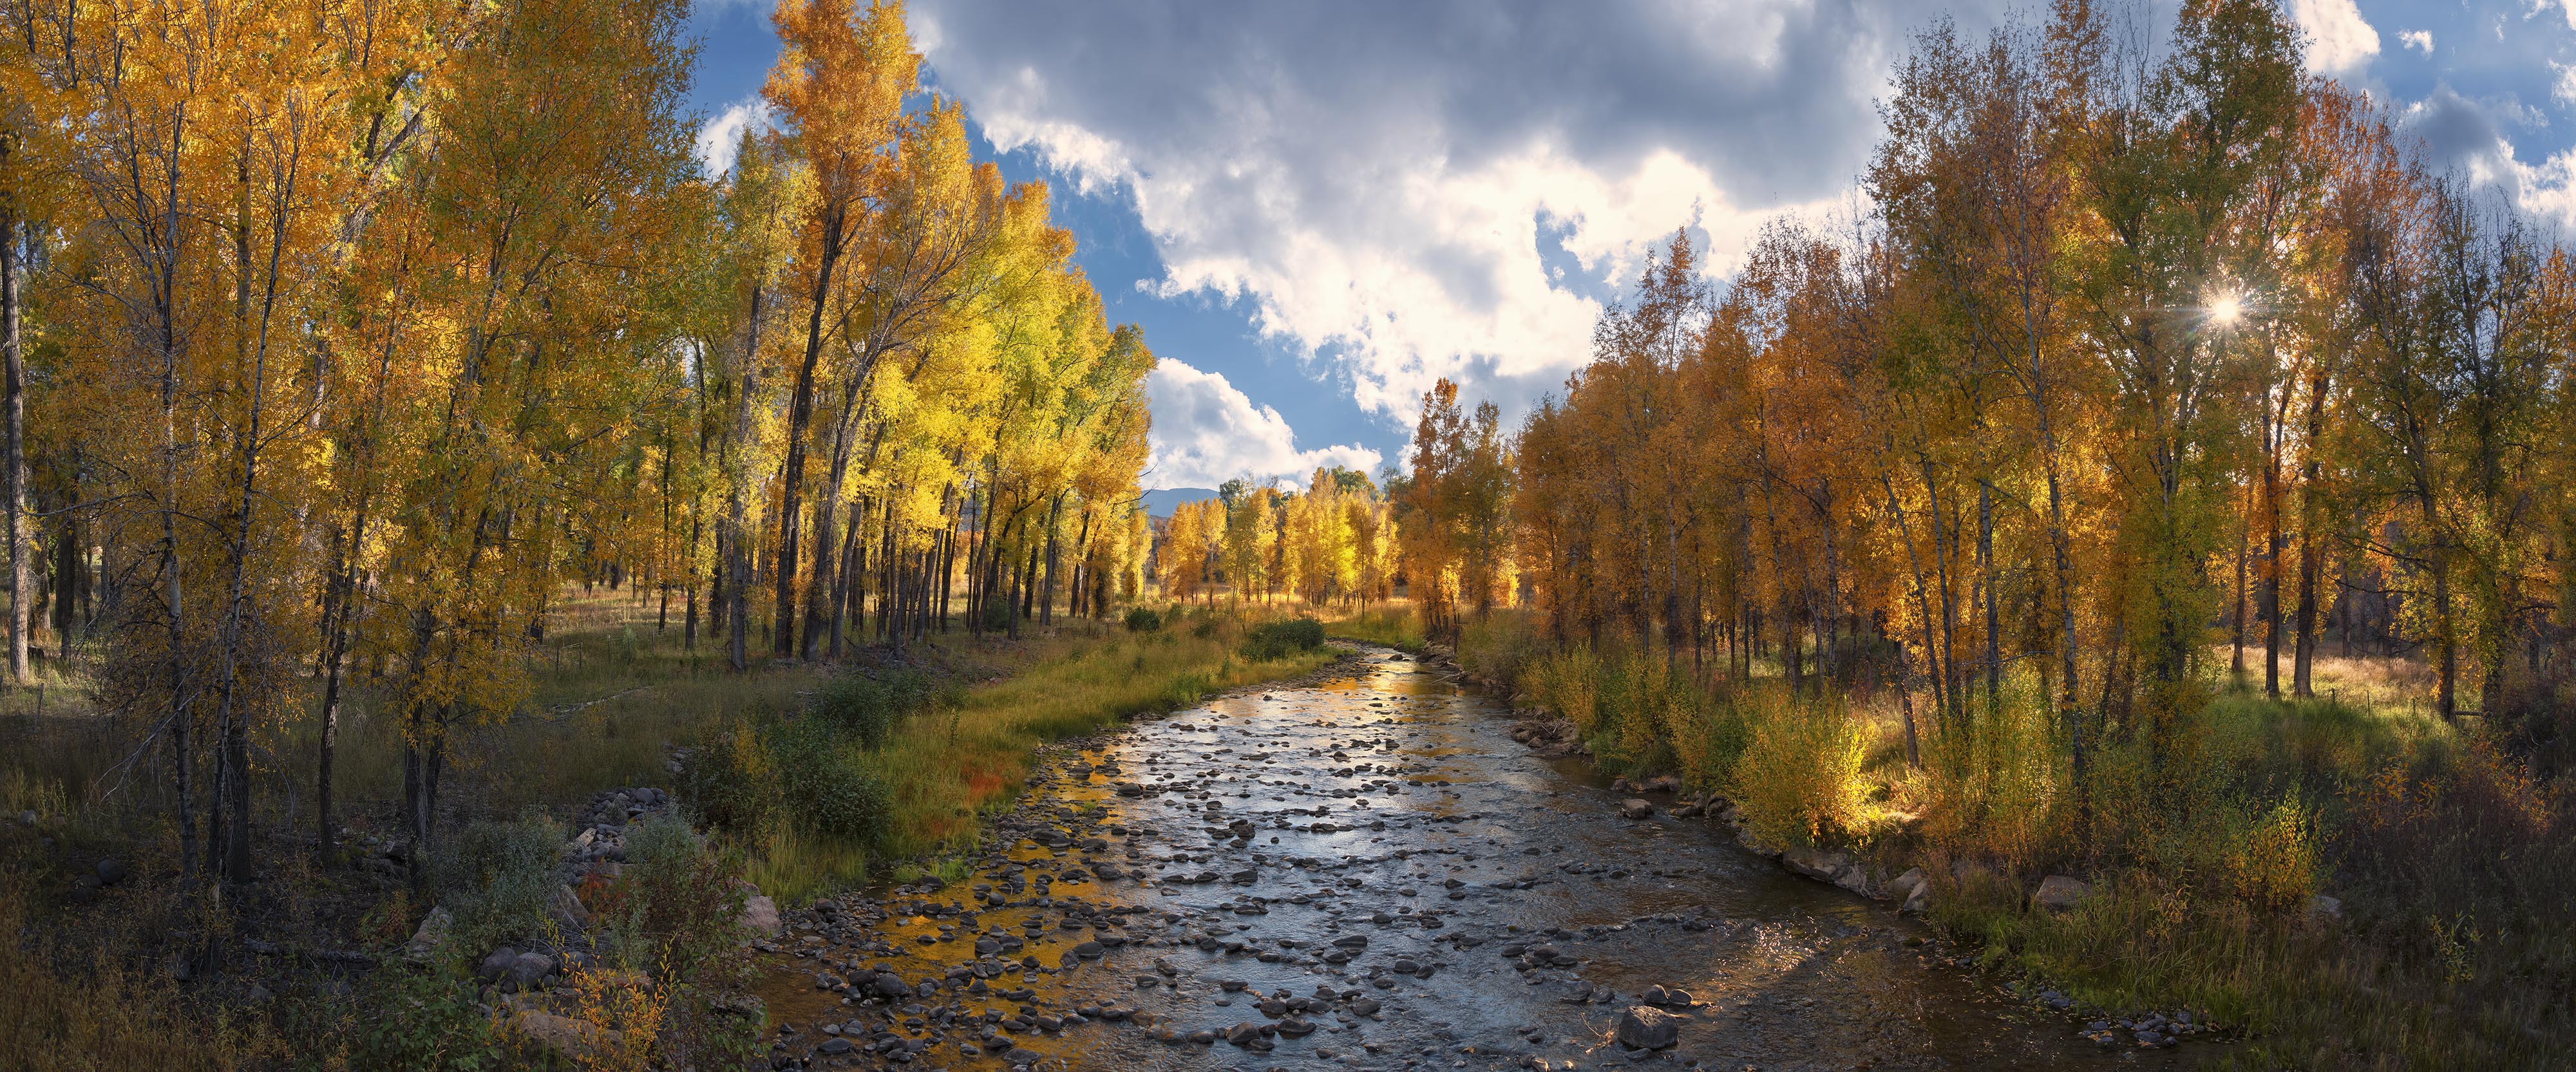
(1392, 624)
(949, 768)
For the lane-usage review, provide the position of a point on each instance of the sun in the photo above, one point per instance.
(2227, 309)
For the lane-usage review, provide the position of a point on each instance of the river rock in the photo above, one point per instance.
(496, 964)
(432, 934)
(2058, 893)
(570, 1039)
(1754, 844)
(1823, 865)
(1643, 1027)
(564, 907)
(1633, 808)
(526, 970)
(1902, 886)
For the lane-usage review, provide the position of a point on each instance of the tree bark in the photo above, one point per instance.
(2272, 548)
(14, 456)
(819, 587)
(800, 413)
(735, 537)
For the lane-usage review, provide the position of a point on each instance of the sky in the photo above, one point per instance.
(1317, 209)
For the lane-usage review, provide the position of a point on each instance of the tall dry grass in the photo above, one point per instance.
(2453, 857)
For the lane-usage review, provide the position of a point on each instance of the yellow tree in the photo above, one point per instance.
(1188, 538)
(838, 88)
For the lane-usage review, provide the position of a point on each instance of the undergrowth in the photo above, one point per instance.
(2345, 881)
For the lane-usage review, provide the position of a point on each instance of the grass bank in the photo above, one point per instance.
(899, 759)
(1395, 626)
(923, 784)
(2452, 855)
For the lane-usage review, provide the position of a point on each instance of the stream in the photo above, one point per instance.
(1364, 870)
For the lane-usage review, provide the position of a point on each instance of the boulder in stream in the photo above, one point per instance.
(1643, 1027)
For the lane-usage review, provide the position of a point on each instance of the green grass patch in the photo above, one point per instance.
(1396, 627)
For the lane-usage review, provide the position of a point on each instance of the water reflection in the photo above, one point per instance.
(1369, 873)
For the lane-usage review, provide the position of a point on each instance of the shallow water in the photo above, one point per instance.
(1391, 808)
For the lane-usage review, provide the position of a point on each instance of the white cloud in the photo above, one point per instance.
(721, 137)
(1206, 433)
(2419, 40)
(2339, 40)
(2467, 136)
(1383, 185)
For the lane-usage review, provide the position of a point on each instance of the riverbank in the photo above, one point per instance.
(2284, 886)
(945, 768)
(1361, 868)
(572, 840)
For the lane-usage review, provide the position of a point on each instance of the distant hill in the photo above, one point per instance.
(1162, 501)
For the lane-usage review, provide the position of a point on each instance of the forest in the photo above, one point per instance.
(341, 338)
(2123, 492)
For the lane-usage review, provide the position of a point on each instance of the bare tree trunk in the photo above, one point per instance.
(800, 414)
(689, 591)
(948, 553)
(1046, 595)
(1994, 603)
(1946, 657)
(2446, 640)
(14, 457)
(735, 538)
(2236, 634)
(2309, 551)
(2272, 547)
(341, 600)
(843, 579)
(818, 593)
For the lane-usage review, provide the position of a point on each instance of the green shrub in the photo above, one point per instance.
(1799, 778)
(1143, 620)
(1282, 638)
(1567, 683)
(827, 787)
(677, 908)
(1501, 646)
(730, 784)
(869, 707)
(426, 1020)
(494, 878)
(1708, 740)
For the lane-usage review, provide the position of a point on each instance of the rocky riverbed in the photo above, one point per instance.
(1367, 870)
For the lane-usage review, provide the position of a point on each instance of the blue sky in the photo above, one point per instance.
(1314, 209)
